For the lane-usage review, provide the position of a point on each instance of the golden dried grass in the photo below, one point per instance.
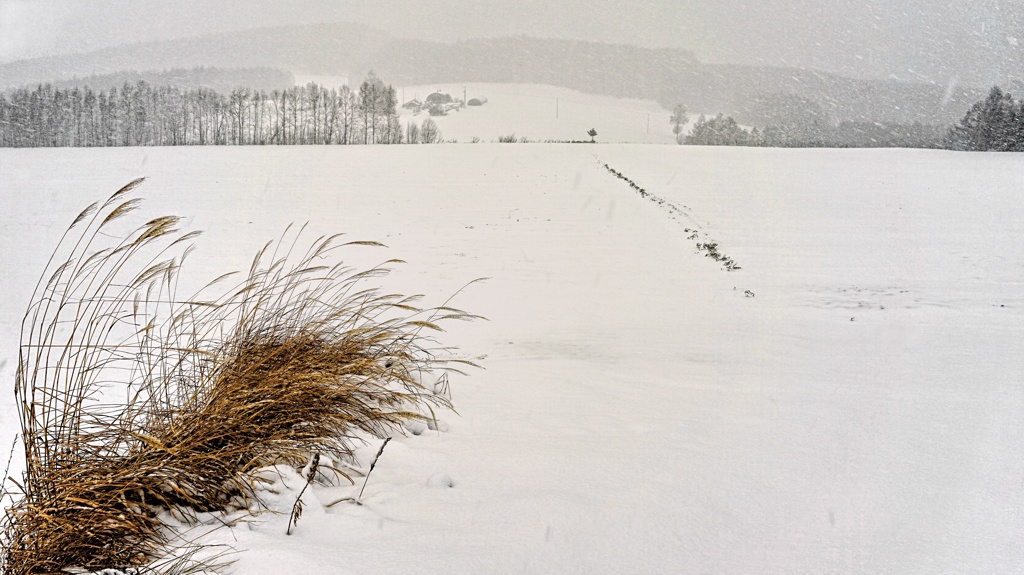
(133, 402)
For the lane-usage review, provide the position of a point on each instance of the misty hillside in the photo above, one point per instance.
(221, 80)
(743, 90)
(668, 76)
(607, 69)
(315, 49)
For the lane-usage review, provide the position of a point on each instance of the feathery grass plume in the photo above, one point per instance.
(134, 402)
(309, 473)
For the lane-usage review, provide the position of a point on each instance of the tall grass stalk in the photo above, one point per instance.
(134, 401)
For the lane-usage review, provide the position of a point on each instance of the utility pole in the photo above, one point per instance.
(463, 96)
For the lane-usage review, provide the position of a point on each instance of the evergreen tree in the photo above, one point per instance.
(996, 124)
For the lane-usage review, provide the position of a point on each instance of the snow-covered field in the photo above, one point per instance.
(850, 401)
(535, 112)
(539, 113)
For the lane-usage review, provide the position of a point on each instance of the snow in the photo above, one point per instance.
(541, 113)
(638, 412)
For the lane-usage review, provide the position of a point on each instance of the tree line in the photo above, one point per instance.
(995, 124)
(139, 114)
(722, 130)
(792, 121)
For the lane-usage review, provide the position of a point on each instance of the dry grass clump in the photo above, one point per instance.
(134, 402)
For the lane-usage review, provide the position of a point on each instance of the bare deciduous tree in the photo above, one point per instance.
(429, 132)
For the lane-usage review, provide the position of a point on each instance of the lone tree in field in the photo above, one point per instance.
(593, 134)
(429, 132)
(678, 120)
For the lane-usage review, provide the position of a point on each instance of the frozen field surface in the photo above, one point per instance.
(540, 113)
(850, 401)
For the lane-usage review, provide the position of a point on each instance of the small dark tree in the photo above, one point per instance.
(592, 133)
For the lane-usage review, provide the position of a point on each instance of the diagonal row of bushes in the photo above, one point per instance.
(710, 249)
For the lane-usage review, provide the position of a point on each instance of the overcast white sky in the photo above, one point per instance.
(929, 39)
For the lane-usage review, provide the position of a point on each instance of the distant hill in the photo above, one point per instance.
(313, 49)
(740, 91)
(219, 79)
(598, 68)
(666, 76)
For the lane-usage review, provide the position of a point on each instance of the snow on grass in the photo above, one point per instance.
(638, 411)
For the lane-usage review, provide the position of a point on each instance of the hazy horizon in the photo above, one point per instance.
(976, 41)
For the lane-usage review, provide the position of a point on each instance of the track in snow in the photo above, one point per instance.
(693, 230)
